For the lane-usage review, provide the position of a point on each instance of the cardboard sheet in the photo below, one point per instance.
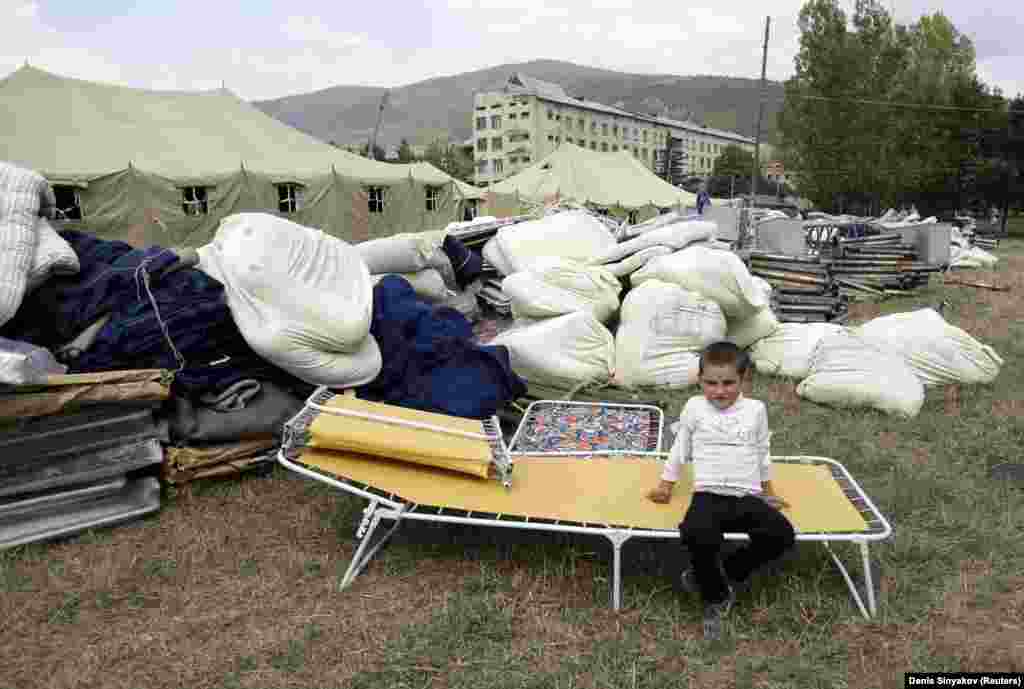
(402, 443)
(600, 490)
(81, 389)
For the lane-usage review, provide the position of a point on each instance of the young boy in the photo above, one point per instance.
(726, 437)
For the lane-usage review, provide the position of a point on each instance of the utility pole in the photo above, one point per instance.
(380, 115)
(760, 114)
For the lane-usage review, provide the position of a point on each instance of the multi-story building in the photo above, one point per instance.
(526, 119)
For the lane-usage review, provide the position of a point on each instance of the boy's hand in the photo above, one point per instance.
(662, 494)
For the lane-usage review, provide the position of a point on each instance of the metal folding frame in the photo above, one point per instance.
(388, 506)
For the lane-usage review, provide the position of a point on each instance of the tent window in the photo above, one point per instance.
(194, 201)
(69, 203)
(433, 198)
(376, 199)
(289, 197)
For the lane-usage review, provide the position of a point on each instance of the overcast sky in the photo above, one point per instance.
(262, 49)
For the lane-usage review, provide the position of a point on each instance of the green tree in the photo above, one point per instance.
(450, 158)
(378, 151)
(854, 134)
(734, 160)
(405, 152)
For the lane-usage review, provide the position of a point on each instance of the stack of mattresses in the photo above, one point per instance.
(78, 452)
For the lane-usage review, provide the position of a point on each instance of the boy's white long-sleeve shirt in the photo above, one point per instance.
(729, 448)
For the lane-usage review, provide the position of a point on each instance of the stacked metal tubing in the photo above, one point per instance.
(803, 291)
(880, 262)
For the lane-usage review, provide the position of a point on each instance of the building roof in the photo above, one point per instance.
(545, 90)
(586, 176)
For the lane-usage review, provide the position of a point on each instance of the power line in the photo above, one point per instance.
(894, 104)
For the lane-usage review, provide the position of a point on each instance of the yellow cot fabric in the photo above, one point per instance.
(605, 490)
(391, 441)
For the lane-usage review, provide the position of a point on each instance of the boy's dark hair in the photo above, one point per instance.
(725, 354)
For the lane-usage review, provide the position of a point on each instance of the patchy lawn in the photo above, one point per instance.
(234, 582)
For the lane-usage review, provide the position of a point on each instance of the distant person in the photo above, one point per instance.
(703, 199)
(725, 435)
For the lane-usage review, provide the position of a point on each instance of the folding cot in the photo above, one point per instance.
(571, 467)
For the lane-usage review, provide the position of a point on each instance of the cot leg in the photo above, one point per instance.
(371, 519)
(869, 584)
(617, 538)
(849, 581)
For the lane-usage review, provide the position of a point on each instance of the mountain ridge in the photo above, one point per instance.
(443, 106)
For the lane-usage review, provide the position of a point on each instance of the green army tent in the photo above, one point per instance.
(162, 167)
(616, 181)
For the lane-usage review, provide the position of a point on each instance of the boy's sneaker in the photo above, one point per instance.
(688, 581)
(714, 613)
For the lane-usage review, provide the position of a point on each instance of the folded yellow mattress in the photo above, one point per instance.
(391, 441)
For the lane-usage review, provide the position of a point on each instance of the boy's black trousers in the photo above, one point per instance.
(711, 515)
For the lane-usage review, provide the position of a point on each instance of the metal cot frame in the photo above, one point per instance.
(388, 506)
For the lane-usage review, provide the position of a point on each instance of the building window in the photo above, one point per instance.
(582, 143)
(69, 203)
(289, 197)
(496, 143)
(526, 159)
(513, 160)
(593, 127)
(433, 198)
(615, 148)
(604, 129)
(645, 136)
(615, 130)
(551, 115)
(558, 118)
(495, 121)
(522, 136)
(512, 116)
(499, 166)
(481, 123)
(524, 115)
(551, 138)
(481, 144)
(604, 146)
(194, 201)
(481, 167)
(580, 124)
(593, 145)
(375, 199)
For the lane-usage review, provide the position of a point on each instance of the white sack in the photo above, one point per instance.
(675, 236)
(570, 234)
(787, 351)
(426, 283)
(851, 371)
(938, 352)
(493, 254)
(301, 298)
(636, 261)
(555, 286)
(409, 252)
(746, 331)
(659, 221)
(662, 329)
(53, 256)
(971, 257)
(718, 275)
(21, 191)
(562, 352)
